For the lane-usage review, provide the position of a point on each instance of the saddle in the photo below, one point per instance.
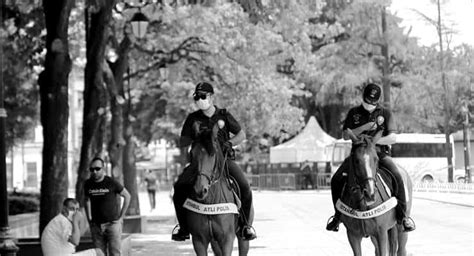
(385, 183)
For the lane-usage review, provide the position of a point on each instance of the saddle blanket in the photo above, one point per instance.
(372, 213)
(210, 209)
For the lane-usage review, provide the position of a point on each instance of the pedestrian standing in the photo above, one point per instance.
(151, 187)
(103, 209)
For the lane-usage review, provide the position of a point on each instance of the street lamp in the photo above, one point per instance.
(139, 24)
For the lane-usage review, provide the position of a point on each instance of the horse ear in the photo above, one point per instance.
(352, 136)
(377, 136)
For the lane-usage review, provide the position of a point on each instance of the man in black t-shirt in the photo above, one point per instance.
(370, 118)
(103, 210)
(206, 117)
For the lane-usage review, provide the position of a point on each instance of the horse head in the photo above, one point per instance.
(365, 163)
(208, 158)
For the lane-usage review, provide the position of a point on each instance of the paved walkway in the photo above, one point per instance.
(303, 236)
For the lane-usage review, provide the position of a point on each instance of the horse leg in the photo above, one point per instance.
(243, 246)
(355, 241)
(228, 244)
(393, 240)
(402, 242)
(216, 248)
(200, 246)
(376, 244)
(382, 241)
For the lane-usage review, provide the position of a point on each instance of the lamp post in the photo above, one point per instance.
(467, 143)
(7, 244)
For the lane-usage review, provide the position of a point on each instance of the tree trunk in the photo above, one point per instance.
(447, 115)
(94, 92)
(130, 170)
(53, 82)
(117, 142)
(385, 69)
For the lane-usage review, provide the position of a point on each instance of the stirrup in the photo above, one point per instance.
(410, 228)
(332, 224)
(178, 234)
(247, 236)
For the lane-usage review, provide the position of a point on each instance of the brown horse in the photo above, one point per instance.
(364, 211)
(212, 194)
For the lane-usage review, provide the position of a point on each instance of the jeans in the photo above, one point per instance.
(152, 197)
(338, 180)
(108, 237)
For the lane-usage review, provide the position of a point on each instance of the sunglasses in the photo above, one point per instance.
(95, 169)
(200, 96)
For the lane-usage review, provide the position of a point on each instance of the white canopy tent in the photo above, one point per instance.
(310, 144)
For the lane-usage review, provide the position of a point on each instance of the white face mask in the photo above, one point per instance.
(70, 214)
(368, 107)
(203, 104)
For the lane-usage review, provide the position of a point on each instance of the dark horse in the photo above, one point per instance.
(364, 211)
(217, 220)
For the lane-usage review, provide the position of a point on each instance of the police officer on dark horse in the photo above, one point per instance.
(208, 115)
(369, 118)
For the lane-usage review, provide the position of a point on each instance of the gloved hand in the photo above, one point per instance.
(227, 147)
(228, 150)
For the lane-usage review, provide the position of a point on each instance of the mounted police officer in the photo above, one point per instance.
(206, 117)
(369, 118)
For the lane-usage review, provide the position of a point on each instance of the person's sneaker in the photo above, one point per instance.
(408, 224)
(333, 224)
(247, 233)
(179, 234)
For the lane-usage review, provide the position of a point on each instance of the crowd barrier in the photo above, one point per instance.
(289, 181)
(467, 188)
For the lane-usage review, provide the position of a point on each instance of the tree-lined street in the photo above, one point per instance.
(293, 223)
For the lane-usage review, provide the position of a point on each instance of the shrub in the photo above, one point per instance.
(23, 204)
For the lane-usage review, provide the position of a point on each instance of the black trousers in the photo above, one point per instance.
(338, 180)
(184, 187)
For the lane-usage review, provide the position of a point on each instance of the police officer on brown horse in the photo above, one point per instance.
(206, 117)
(369, 118)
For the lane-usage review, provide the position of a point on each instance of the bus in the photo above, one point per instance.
(422, 155)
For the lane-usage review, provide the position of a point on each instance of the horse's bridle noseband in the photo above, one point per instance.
(213, 179)
(359, 181)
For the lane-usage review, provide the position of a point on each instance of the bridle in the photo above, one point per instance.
(215, 176)
(360, 181)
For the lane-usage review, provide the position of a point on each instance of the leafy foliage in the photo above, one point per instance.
(22, 36)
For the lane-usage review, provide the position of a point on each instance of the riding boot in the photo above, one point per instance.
(401, 208)
(337, 185)
(180, 232)
(245, 230)
(334, 221)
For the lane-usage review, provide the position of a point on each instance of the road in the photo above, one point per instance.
(293, 223)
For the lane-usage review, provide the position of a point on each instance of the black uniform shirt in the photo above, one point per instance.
(358, 116)
(227, 122)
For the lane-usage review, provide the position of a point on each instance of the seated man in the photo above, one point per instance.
(369, 118)
(208, 115)
(62, 234)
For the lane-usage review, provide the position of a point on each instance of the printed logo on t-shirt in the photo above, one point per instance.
(99, 191)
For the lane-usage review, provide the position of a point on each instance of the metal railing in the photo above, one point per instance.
(289, 181)
(467, 188)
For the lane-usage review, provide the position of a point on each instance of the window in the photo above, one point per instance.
(31, 175)
(418, 150)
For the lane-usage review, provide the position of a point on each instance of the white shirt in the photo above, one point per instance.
(55, 237)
